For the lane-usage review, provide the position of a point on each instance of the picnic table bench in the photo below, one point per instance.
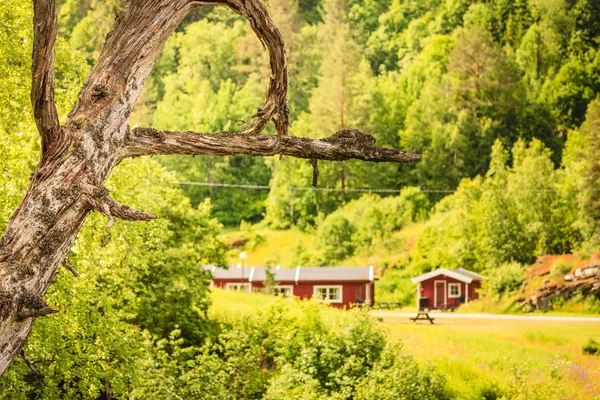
(422, 315)
(387, 306)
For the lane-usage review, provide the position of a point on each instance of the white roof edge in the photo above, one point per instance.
(473, 273)
(371, 273)
(251, 274)
(442, 271)
(297, 278)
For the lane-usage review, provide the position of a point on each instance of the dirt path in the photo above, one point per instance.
(546, 318)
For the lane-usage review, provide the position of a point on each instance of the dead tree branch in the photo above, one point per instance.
(315, 165)
(70, 268)
(344, 145)
(30, 365)
(42, 312)
(97, 199)
(276, 106)
(45, 21)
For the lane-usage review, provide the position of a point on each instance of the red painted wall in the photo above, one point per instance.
(428, 290)
(304, 290)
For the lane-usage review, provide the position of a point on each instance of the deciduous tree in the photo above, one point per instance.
(78, 156)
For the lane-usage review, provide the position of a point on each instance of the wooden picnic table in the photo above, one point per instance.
(422, 315)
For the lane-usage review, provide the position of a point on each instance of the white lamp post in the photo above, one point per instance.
(243, 257)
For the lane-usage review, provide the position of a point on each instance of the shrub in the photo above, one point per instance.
(592, 348)
(395, 286)
(491, 391)
(561, 268)
(292, 353)
(252, 238)
(292, 384)
(505, 279)
(335, 237)
(396, 376)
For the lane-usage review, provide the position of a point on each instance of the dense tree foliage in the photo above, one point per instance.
(444, 78)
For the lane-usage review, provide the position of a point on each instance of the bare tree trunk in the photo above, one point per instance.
(78, 157)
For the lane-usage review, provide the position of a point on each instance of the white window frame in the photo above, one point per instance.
(288, 288)
(328, 299)
(454, 296)
(237, 287)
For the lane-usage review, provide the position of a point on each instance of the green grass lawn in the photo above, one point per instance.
(543, 360)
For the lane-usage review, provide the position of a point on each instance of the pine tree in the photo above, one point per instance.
(591, 182)
(331, 101)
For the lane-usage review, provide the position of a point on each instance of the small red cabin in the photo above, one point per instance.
(446, 288)
(339, 286)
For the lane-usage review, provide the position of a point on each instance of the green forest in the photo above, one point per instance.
(501, 98)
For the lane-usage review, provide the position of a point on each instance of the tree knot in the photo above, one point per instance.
(6, 304)
(99, 92)
(30, 305)
(351, 138)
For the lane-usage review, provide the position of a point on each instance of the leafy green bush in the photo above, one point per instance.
(561, 268)
(365, 222)
(394, 286)
(336, 238)
(292, 384)
(505, 279)
(592, 348)
(250, 235)
(491, 391)
(396, 376)
(289, 351)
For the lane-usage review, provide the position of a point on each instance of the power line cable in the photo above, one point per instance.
(327, 189)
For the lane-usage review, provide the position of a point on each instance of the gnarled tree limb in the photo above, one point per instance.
(344, 145)
(45, 21)
(98, 199)
(276, 106)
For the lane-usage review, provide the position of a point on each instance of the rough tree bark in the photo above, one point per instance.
(77, 157)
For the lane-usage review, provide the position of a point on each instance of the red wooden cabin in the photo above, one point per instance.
(446, 288)
(339, 286)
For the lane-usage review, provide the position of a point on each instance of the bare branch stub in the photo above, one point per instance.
(30, 305)
(315, 165)
(97, 199)
(42, 312)
(70, 268)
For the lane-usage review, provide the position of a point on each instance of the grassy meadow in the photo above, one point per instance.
(480, 358)
(544, 359)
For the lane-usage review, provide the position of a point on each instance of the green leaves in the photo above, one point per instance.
(513, 214)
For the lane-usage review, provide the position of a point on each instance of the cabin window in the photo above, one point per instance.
(239, 287)
(285, 291)
(332, 294)
(454, 290)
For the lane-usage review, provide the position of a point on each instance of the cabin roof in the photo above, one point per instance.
(459, 274)
(298, 274)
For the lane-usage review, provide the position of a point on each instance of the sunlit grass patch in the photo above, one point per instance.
(276, 247)
(515, 359)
